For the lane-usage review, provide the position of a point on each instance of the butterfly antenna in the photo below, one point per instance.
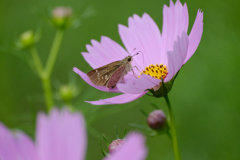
(135, 54)
(132, 51)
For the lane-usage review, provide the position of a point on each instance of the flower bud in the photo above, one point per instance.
(61, 17)
(67, 92)
(157, 120)
(115, 145)
(27, 39)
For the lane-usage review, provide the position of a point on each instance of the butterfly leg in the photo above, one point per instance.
(137, 68)
(134, 72)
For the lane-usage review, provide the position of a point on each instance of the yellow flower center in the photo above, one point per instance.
(156, 71)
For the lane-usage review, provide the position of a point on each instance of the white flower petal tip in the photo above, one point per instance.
(120, 99)
(132, 149)
(86, 79)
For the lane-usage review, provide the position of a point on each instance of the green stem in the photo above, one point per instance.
(47, 93)
(45, 74)
(53, 53)
(49, 67)
(36, 60)
(173, 130)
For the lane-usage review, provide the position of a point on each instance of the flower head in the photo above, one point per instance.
(61, 17)
(61, 136)
(115, 145)
(28, 39)
(163, 53)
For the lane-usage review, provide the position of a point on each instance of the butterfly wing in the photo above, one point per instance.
(101, 76)
(116, 77)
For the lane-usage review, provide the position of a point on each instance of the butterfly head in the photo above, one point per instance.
(129, 58)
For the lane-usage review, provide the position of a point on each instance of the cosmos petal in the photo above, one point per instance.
(104, 52)
(120, 99)
(133, 149)
(138, 85)
(61, 136)
(143, 34)
(177, 56)
(16, 147)
(175, 21)
(86, 79)
(195, 35)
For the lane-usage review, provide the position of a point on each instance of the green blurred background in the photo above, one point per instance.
(205, 96)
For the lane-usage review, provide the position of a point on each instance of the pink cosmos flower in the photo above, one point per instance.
(163, 54)
(60, 136)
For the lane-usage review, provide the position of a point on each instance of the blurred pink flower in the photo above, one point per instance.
(60, 136)
(165, 52)
(133, 148)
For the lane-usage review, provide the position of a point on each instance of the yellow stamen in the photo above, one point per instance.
(156, 71)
